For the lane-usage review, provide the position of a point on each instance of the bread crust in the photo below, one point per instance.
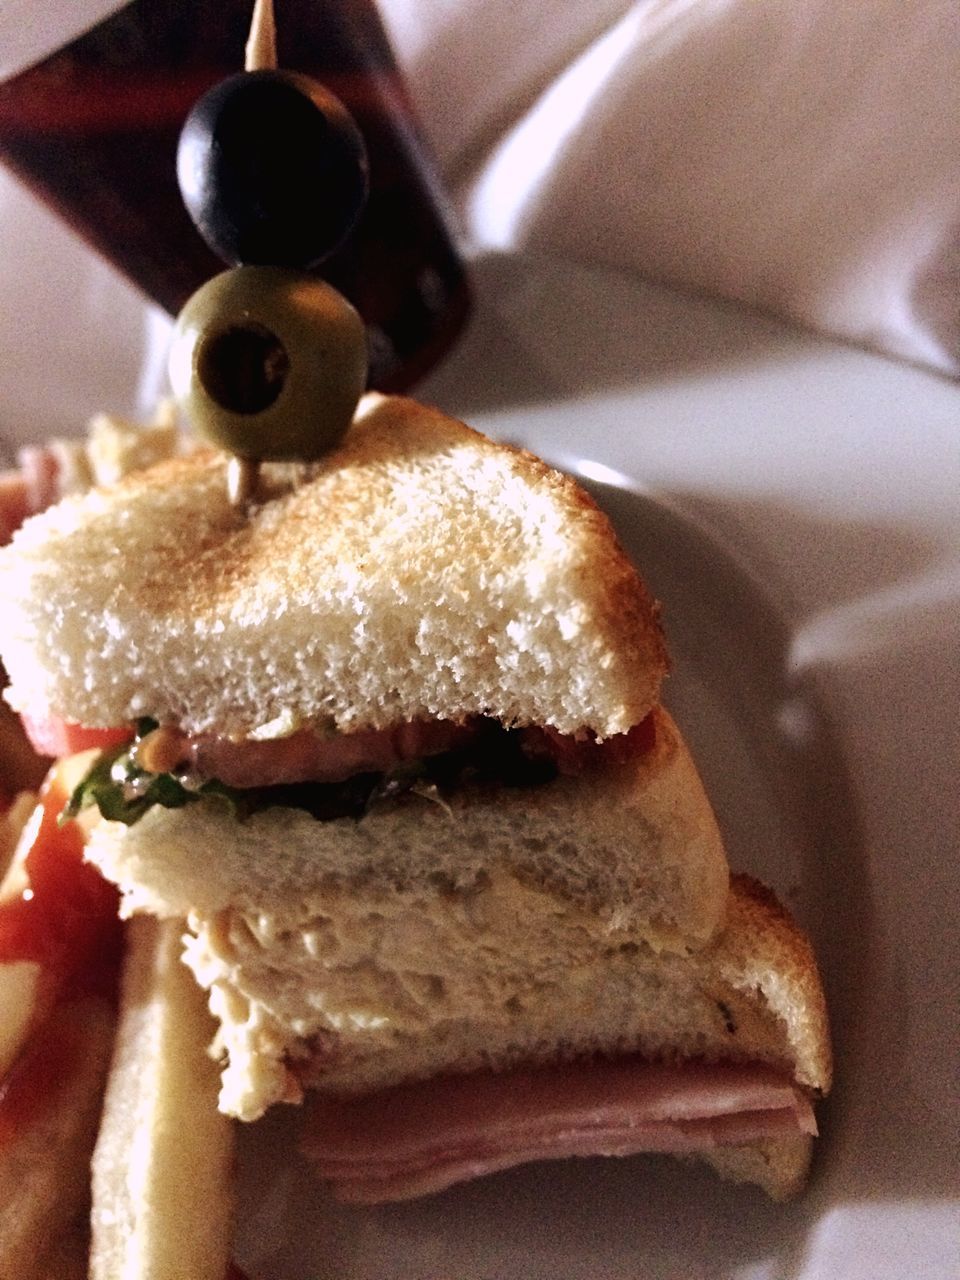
(779, 1166)
(420, 570)
(763, 950)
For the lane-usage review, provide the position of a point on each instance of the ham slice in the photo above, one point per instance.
(419, 1138)
(29, 489)
(307, 756)
(312, 757)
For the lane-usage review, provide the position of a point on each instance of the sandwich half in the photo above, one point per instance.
(389, 740)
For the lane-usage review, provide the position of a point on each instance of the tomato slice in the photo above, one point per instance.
(51, 735)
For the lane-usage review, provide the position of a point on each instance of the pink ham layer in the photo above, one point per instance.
(419, 1138)
(30, 488)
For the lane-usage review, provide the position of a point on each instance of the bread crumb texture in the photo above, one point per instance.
(420, 570)
(374, 992)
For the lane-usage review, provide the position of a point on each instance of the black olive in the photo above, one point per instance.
(272, 169)
(269, 363)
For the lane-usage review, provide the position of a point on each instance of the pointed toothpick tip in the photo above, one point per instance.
(243, 475)
(260, 53)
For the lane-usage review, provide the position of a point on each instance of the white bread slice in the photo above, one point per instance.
(753, 994)
(420, 570)
(636, 846)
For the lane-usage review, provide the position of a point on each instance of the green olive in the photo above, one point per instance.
(269, 363)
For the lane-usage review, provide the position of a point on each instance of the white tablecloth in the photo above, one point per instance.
(801, 156)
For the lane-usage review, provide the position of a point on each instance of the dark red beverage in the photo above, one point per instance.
(93, 129)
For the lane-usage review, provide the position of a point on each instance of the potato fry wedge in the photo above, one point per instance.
(68, 1260)
(49, 1107)
(21, 769)
(12, 822)
(162, 1165)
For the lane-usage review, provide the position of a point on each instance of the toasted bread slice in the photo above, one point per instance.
(419, 571)
(752, 995)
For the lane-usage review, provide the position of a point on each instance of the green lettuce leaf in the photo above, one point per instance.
(123, 792)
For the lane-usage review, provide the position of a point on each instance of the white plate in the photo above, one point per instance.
(795, 506)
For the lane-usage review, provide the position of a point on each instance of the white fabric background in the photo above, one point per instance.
(802, 156)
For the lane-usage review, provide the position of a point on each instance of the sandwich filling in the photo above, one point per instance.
(335, 775)
(420, 1138)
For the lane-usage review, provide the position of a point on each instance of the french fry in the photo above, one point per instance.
(21, 769)
(68, 1259)
(49, 1107)
(12, 822)
(162, 1164)
(18, 979)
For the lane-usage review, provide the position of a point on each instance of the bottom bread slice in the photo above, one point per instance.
(718, 1055)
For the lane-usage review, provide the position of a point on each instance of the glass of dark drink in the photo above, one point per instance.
(92, 127)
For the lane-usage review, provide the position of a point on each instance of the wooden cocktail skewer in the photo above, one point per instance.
(260, 54)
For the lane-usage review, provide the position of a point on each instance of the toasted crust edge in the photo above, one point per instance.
(779, 1166)
(52, 574)
(764, 949)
